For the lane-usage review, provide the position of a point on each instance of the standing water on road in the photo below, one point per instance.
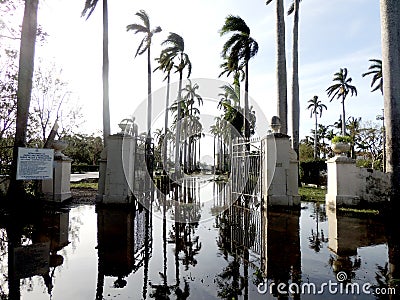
(223, 250)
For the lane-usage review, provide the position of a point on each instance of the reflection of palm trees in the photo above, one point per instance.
(317, 237)
(347, 264)
(229, 281)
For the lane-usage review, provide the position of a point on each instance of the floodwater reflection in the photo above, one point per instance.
(128, 252)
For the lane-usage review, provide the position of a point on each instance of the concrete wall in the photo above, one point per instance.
(349, 185)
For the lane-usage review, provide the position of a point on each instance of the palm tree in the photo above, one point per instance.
(165, 65)
(375, 69)
(238, 50)
(228, 67)
(340, 90)
(354, 131)
(190, 98)
(316, 106)
(145, 45)
(175, 50)
(390, 28)
(90, 5)
(25, 73)
(281, 65)
(294, 7)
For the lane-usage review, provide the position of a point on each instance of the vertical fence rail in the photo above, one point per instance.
(245, 213)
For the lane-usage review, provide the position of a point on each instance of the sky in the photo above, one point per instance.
(332, 35)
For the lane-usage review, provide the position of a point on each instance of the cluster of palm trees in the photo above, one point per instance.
(340, 89)
(237, 52)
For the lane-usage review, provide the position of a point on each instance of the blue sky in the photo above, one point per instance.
(333, 34)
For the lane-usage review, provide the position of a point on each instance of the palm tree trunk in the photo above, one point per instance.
(164, 158)
(315, 136)
(178, 130)
(295, 80)
(25, 73)
(390, 28)
(246, 103)
(149, 100)
(281, 66)
(106, 97)
(343, 118)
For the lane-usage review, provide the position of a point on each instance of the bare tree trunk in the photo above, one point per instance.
(106, 97)
(295, 80)
(390, 28)
(25, 73)
(281, 66)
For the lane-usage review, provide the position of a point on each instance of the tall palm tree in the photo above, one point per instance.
(390, 28)
(165, 65)
(375, 69)
(90, 6)
(281, 64)
(145, 45)
(340, 89)
(25, 73)
(175, 50)
(316, 107)
(238, 50)
(294, 8)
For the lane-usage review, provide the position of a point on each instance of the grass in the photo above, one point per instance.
(360, 211)
(312, 194)
(84, 185)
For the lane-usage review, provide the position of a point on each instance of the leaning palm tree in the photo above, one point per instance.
(294, 8)
(145, 45)
(238, 50)
(340, 89)
(26, 66)
(375, 69)
(390, 28)
(175, 50)
(90, 5)
(316, 106)
(165, 65)
(281, 64)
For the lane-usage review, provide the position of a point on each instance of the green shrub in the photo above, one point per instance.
(341, 139)
(310, 171)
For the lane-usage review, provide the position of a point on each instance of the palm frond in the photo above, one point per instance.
(90, 6)
(144, 17)
(137, 27)
(234, 23)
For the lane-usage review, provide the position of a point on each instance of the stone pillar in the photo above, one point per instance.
(60, 182)
(343, 182)
(119, 173)
(280, 171)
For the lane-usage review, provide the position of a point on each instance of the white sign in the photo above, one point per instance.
(34, 163)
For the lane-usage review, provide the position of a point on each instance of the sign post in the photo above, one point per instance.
(35, 164)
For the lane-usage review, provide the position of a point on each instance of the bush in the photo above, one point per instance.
(82, 168)
(310, 171)
(341, 139)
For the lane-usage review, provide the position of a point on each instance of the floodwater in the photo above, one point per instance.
(111, 252)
